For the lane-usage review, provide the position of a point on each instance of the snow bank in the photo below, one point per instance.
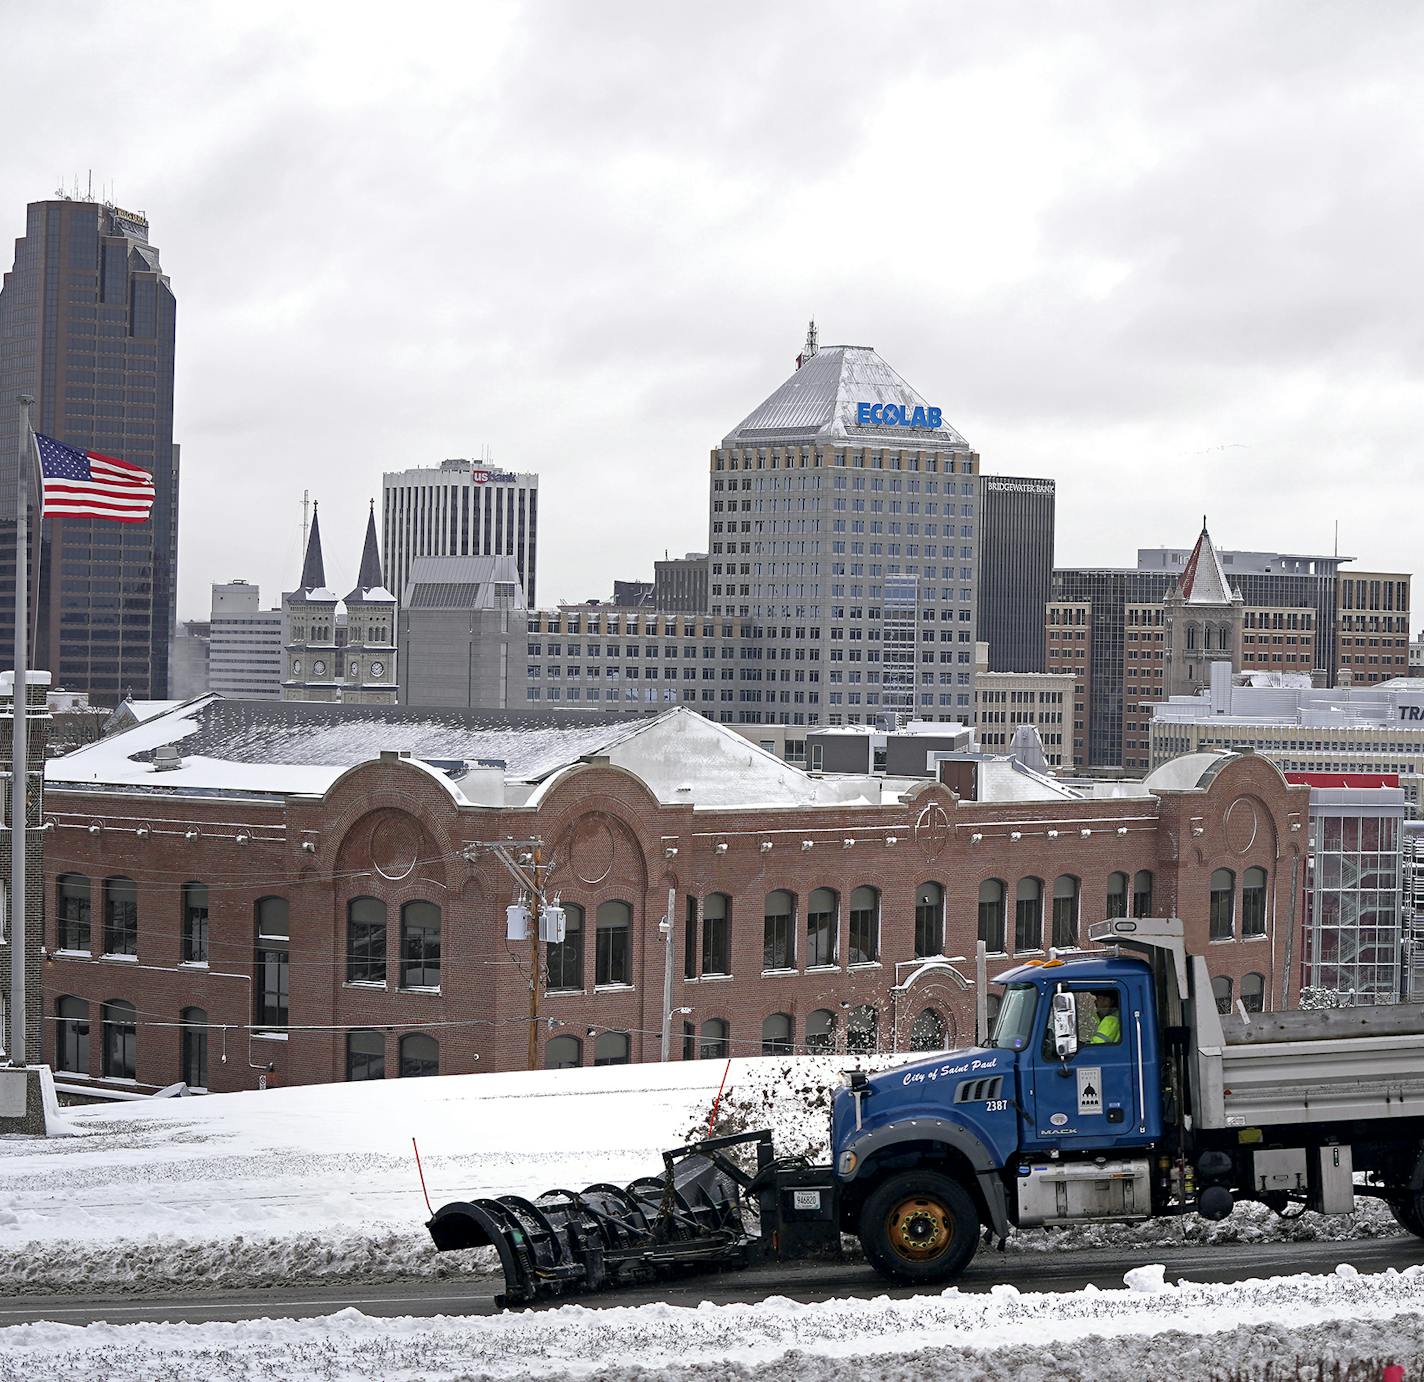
(1166, 1333)
(319, 1183)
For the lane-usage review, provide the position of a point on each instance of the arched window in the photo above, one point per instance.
(1065, 911)
(565, 957)
(927, 1032)
(365, 1055)
(864, 926)
(991, 915)
(612, 940)
(1028, 915)
(366, 941)
(611, 1048)
(1253, 992)
(419, 1055)
(1253, 902)
(1191, 637)
(563, 1053)
(120, 916)
(778, 931)
(120, 1023)
(714, 1044)
(929, 920)
(776, 1035)
(72, 1036)
(862, 1031)
(820, 1031)
(822, 927)
(1223, 905)
(716, 934)
(1221, 991)
(420, 946)
(195, 1048)
(195, 923)
(269, 992)
(1117, 896)
(73, 911)
(1142, 893)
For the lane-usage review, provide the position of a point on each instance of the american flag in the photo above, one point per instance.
(84, 484)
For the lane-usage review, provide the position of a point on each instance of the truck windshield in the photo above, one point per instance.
(1015, 1017)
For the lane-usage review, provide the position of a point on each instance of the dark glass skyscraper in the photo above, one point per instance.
(1015, 569)
(87, 327)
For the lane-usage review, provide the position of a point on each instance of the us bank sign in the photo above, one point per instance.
(897, 415)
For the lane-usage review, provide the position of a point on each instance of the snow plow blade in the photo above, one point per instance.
(568, 1243)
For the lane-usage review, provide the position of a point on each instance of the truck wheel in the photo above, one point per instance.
(1407, 1215)
(919, 1227)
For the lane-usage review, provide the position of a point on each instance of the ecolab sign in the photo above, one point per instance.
(896, 415)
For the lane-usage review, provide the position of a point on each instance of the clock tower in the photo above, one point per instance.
(309, 630)
(369, 657)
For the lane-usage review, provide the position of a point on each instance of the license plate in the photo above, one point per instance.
(806, 1199)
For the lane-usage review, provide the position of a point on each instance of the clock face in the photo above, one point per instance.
(296, 667)
(355, 669)
(377, 668)
(318, 667)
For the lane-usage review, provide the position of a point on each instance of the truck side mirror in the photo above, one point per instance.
(1065, 1025)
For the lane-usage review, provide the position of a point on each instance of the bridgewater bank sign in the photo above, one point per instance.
(897, 415)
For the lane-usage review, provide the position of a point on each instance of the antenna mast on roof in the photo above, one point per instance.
(306, 505)
(808, 351)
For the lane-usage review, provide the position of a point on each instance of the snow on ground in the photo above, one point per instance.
(319, 1182)
(1152, 1329)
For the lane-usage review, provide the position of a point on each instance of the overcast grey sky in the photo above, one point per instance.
(1168, 256)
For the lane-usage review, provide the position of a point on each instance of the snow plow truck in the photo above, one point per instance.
(1109, 1090)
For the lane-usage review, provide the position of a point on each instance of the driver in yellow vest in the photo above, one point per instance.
(1109, 1029)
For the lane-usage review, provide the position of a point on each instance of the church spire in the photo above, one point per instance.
(313, 570)
(370, 574)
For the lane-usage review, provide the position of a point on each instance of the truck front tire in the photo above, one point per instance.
(919, 1227)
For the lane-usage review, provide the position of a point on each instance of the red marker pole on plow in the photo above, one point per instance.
(712, 1117)
(421, 1170)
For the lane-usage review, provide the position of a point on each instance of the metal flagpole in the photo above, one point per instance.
(20, 715)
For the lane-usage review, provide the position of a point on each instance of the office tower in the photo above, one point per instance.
(87, 328)
(843, 534)
(460, 509)
(1015, 569)
(1124, 634)
(244, 644)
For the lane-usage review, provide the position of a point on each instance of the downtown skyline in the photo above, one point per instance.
(1165, 261)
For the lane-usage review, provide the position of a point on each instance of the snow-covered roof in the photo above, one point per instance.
(819, 401)
(1006, 779)
(1185, 772)
(275, 748)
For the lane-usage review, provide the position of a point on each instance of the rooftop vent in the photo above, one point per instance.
(166, 758)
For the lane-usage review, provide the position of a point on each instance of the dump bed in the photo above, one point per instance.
(1323, 1066)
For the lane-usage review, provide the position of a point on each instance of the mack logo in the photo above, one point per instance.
(1411, 712)
(896, 415)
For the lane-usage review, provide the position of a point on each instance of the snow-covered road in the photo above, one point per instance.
(1149, 1329)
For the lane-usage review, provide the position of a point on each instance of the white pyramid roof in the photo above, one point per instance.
(820, 401)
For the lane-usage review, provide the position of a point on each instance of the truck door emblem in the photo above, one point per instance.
(1058, 1119)
(1090, 1089)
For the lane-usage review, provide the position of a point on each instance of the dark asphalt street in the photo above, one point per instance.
(1049, 1271)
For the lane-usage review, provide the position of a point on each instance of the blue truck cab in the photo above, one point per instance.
(1052, 1121)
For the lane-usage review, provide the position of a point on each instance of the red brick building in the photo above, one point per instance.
(311, 888)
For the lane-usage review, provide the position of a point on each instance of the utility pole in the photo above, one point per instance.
(536, 909)
(667, 929)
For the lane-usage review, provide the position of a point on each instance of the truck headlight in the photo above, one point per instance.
(847, 1162)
